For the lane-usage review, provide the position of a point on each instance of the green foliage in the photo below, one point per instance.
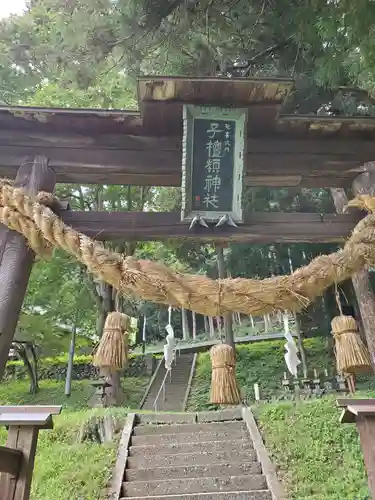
(259, 362)
(48, 362)
(66, 49)
(318, 458)
(50, 311)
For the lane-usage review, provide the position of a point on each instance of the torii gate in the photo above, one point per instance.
(39, 147)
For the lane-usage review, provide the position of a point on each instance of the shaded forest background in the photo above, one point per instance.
(88, 53)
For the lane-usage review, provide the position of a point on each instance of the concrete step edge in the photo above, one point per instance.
(202, 443)
(181, 428)
(194, 485)
(192, 454)
(193, 469)
(176, 480)
(218, 495)
(183, 436)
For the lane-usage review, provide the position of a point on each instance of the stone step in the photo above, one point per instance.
(170, 385)
(151, 429)
(227, 495)
(171, 406)
(166, 418)
(192, 447)
(194, 485)
(191, 471)
(203, 457)
(178, 392)
(220, 416)
(190, 437)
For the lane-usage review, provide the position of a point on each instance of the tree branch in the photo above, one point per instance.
(266, 52)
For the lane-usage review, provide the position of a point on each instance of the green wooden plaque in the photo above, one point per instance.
(213, 162)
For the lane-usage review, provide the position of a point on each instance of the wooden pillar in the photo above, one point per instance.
(16, 257)
(23, 438)
(362, 288)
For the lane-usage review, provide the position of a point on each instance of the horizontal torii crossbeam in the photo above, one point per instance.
(259, 227)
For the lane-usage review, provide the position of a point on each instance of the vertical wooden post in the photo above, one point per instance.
(23, 438)
(366, 430)
(361, 283)
(16, 258)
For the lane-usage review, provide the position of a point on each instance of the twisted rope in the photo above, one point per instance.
(154, 281)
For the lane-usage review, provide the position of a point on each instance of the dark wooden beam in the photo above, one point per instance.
(140, 160)
(354, 148)
(16, 257)
(262, 227)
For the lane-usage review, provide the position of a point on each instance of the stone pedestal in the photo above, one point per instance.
(99, 399)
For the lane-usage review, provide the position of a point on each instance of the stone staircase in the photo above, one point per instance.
(203, 456)
(175, 388)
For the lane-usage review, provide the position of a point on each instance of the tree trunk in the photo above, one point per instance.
(16, 257)
(361, 283)
(252, 322)
(22, 352)
(218, 322)
(184, 323)
(206, 325)
(301, 347)
(113, 394)
(228, 320)
(212, 328)
(194, 321)
(35, 364)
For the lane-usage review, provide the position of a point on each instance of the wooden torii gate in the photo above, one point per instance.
(41, 147)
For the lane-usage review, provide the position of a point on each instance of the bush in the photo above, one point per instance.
(55, 368)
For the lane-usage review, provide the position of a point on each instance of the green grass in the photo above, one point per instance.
(318, 458)
(260, 362)
(15, 392)
(64, 468)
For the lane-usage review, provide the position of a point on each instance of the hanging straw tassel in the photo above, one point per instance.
(224, 388)
(352, 356)
(112, 352)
